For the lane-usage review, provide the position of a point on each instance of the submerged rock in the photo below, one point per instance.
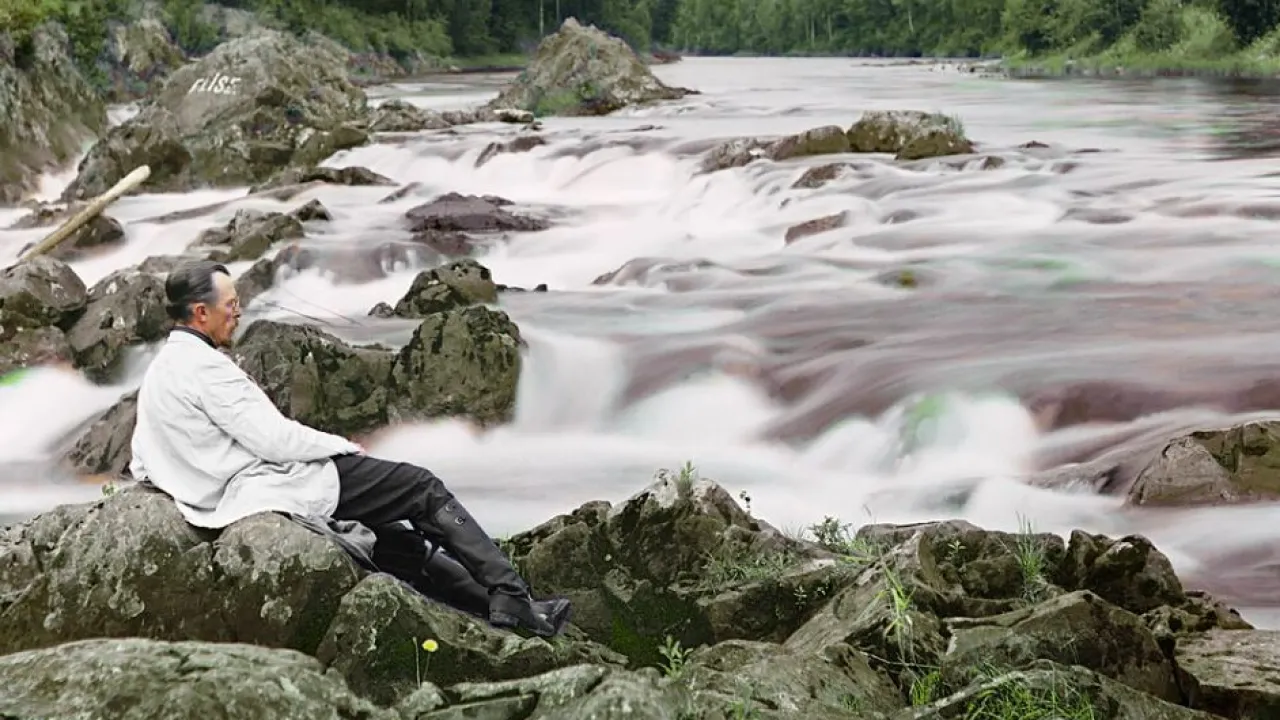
(254, 105)
(50, 110)
(583, 71)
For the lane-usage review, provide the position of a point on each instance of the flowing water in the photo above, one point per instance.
(1127, 275)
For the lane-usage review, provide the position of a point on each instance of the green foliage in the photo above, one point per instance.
(1218, 34)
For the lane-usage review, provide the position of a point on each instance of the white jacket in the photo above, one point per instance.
(211, 438)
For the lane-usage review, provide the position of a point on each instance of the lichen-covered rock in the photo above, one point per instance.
(458, 363)
(375, 636)
(456, 285)
(579, 692)
(139, 55)
(777, 682)
(139, 679)
(401, 116)
(254, 105)
(826, 140)
(113, 571)
(30, 347)
(1232, 673)
(1219, 466)
(50, 111)
(583, 71)
(1074, 629)
(908, 134)
(679, 559)
(40, 292)
(316, 378)
(125, 308)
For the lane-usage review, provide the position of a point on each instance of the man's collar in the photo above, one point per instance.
(194, 333)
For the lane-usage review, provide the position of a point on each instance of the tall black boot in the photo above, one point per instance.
(510, 604)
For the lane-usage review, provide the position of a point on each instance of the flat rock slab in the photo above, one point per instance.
(1232, 673)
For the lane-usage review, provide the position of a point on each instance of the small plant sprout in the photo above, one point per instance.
(674, 657)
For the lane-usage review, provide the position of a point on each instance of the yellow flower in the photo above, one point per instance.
(430, 645)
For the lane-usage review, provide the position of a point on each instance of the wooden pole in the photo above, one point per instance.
(100, 203)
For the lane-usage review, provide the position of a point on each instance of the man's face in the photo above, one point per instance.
(222, 316)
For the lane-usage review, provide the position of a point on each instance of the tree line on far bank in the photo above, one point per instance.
(1125, 31)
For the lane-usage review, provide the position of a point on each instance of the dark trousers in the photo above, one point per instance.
(381, 495)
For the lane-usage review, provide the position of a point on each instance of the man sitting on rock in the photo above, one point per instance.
(211, 439)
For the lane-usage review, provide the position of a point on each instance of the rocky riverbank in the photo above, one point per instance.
(687, 606)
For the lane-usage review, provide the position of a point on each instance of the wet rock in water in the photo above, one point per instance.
(341, 264)
(40, 292)
(350, 176)
(522, 143)
(401, 116)
(680, 558)
(447, 243)
(819, 175)
(139, 55)
(1218, 466)
(250, 233)
(126, 308)
(449, 287)
(235, 117)
(583, 71)
(909, 134)
(826, 140)
(316, 378)
(104, 446)
(50, 108)
(31, 347)
(458, 363)
(138, 679)
(814, 227)
(470, 213)
(99, 233)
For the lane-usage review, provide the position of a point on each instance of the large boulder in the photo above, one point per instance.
(40, 299)
(124, 309)
(138, 679)
(680, 559)
(1214, 466)
(583, 71)
(456, 285)
(50, 111)
(130, 566)
(315, 378)
(236, 117)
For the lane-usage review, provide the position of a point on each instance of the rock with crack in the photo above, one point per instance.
(398, 116)
(679, 559)
(50, 110)
(40, 292)
(115, 569)
(235, 117)
(316, 378)
(1232, 673)
(139, 679)
(1214, 466)
(583, 71)
(126, 308)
